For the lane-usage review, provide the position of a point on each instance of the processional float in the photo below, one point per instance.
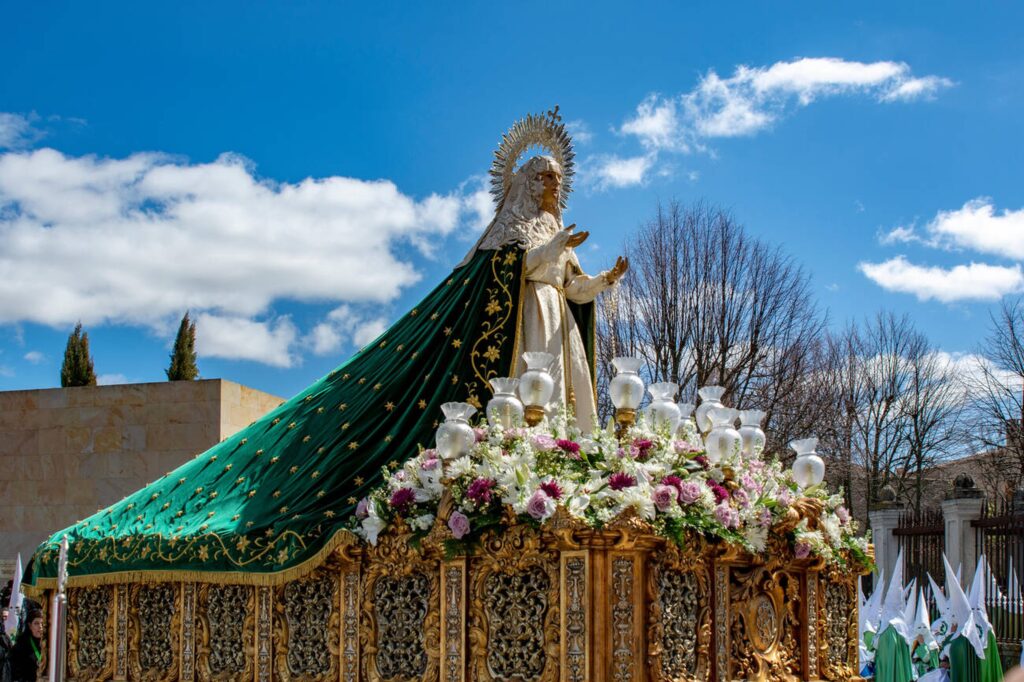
(329, 541)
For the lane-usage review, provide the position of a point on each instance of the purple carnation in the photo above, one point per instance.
(479, 490)
(703, 461)
(766, 517)
(748, 482)
(621, 480)
(402, 498)
(785, 498)
(844, 515)
(720, 492)
(552, 489)
(459, 524)
(802, 550)
(537, 506)
(689, 492)
(570, 447)
(640, 449)
(664, 497)
(363, 508)
(742, 498)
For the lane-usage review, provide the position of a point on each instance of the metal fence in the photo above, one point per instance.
(999, 536)
(922, 537)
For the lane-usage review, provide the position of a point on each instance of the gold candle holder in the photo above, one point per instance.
(533, 414)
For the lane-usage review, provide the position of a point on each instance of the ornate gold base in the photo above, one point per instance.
(624, 418)
(562, 603)
(533, 414)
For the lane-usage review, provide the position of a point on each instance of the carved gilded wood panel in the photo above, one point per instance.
(225, 633)
(764, 621)
(837, 625)
(154, 626)
(307, 628)
(90, 633)
(679, 616)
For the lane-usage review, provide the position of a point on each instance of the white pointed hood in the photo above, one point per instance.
(1013, 591)
(960, 611)
(873, 606)
(910, 609)
(977, 599)
(892, 607)
(922, 626)
(941, 624)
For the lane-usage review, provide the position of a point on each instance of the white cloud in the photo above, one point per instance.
(975, 281)
(978, 226)
(111, 379)
(606, 172)
(342, 324)
(580, 131)
(901, 234)
(139, 239)
(240, 338)
(34, 356)
(754, 98)
(16, 131)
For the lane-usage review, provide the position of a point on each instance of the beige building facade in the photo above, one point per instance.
(67, 452)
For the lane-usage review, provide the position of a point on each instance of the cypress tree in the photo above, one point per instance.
(183, 358)
(77, 369)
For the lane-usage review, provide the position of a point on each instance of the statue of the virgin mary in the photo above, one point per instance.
(267, 503)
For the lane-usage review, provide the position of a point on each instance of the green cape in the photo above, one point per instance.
(892, 658)
(268, 503)
(964, 664)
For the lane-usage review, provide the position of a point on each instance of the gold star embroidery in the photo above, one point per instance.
(259, 452)
(321, 451)
(455, 379)
(273, 460)
(415, 312)
(447, 331)
(242, 543)
(329, 514)
(276, 420)
(400, 348)
(228, 467)
(209, 515)
(203, 527)
(284, 510)
(213, 495)
(306, 439)
(240, 480)
(179, 513)
(154, 496)
(387, 438)
(377, 387)
(293, 470)
(392, 465)
(352, 500)
(269, 533)
(389, 406)
(342, 407)
(321, 493)
(510, 258)
(166, 505)
(465, 282)
(130, 506)
(319, 410)
(315, 474)
(248, 524)
(434, 316)
(252, 493)
(243, 441)
(291, 425)
(414, 354)
(214, 458)
(422, 404)
(344, 427)
(492, 353)
(277, 493)
(139, 517)
(204, 554)
(383, 343)
(353, 445)
(362, 380)
(450, 282)
(199, 490)
(358, 480)
(457, 343)
(492, 307)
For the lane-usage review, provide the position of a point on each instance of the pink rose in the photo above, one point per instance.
(429, 464)
(802, 550)
(843, 514)
(537, 506)
(664, 497)
(727, 516)
(683, 447)
(459, 524)
(363, 508)
(480, 434)
(689, 492)
(544, 442)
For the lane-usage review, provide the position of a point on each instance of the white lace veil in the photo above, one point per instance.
(519, 218)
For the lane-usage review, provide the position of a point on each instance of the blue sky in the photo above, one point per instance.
(299, 174)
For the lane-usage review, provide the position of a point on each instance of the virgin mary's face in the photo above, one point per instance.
(552, 182)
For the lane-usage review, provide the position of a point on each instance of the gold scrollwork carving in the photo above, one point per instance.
(400, 633)
(90, 627)
(226, 629)
(153, 625)
(764, 623)
(514, 620)
(679, 614)
(837, 625)
(307, 627)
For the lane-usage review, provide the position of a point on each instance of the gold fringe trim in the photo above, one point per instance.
(519, 316)
(341, 538)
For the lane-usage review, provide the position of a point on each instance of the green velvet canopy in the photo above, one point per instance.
(268, 503)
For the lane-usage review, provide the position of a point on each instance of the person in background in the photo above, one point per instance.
(28, 649)
(5, 655)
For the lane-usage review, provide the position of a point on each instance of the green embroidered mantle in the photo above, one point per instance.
(268, 503)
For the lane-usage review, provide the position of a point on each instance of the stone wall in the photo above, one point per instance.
(66, 452)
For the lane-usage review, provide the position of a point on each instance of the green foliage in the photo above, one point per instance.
(183, 358)
(77, 369)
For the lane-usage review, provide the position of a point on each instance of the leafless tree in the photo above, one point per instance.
(706, 303)
(997, 403)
